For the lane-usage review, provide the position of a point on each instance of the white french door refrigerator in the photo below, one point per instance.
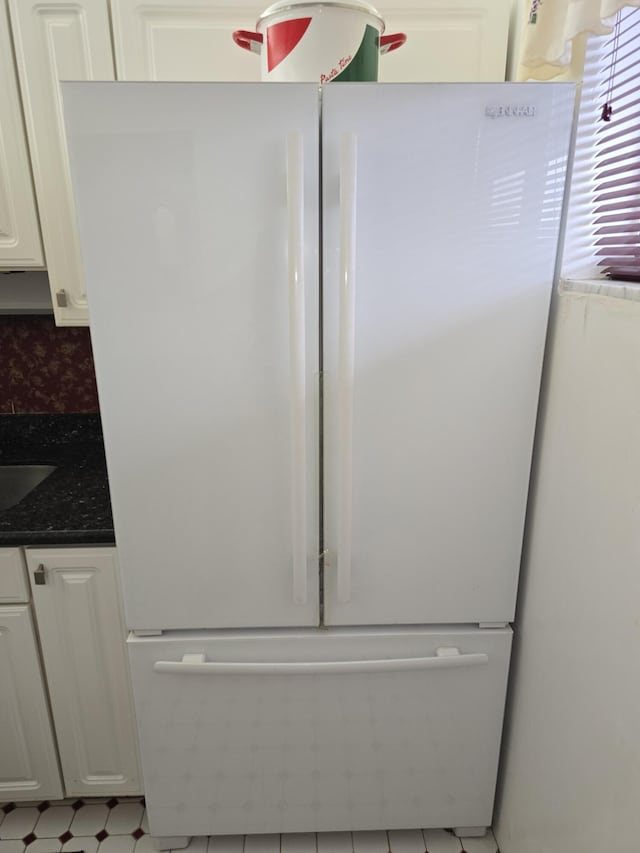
(318, 321)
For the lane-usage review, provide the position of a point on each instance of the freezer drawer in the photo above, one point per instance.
(294, 731)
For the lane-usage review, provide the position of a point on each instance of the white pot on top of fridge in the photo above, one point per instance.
(321, 42)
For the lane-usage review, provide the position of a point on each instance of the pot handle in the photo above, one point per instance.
(248, 40)
(390, 42)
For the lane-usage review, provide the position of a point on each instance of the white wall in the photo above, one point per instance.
(571, 774)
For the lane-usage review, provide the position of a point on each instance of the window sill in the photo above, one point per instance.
(601, 287)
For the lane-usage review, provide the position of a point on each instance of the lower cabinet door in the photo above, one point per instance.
(341, 729)
(76, 594)
(28, 762)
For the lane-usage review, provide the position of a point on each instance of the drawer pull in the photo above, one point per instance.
(196, 664)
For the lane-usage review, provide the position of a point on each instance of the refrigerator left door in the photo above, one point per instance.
(197, 212)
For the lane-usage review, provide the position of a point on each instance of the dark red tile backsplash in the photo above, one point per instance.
(44, 368)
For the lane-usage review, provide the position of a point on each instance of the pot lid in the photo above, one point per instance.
(285, 5)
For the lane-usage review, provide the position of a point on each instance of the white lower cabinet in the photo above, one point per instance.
(77, 601)
(67, 726)
(28, 761)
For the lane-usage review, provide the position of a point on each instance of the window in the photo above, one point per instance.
(603, 225)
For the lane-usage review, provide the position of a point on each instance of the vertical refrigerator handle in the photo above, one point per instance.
(297, 362)
(346, 352)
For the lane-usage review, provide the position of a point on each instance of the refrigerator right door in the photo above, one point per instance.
(441, 213)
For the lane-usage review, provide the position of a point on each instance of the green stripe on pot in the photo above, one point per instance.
(364, 65)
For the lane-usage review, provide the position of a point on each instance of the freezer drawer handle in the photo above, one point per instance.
(297, 345)
(346, 354)
(195, 664)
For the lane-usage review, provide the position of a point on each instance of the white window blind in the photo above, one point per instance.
(603, 225)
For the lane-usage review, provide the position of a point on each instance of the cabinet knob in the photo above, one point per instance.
(61, 298)
(40, 575)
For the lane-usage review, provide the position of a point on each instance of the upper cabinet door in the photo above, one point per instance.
(439, 257)
(19, 232)
(58, 40)
(198, 212)
(170, 40)
(447, 40)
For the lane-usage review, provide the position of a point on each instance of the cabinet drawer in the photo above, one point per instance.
(14, 587)
(320, 730)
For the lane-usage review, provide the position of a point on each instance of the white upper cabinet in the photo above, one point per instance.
(19, 232)
(461, 41)
(465, 40)
(169, 40)
(56, 40)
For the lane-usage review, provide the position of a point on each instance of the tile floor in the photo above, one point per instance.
(103, 825)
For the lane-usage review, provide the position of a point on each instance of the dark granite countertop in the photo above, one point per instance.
(72, 505)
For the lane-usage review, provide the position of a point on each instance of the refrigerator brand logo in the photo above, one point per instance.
(510, 110)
